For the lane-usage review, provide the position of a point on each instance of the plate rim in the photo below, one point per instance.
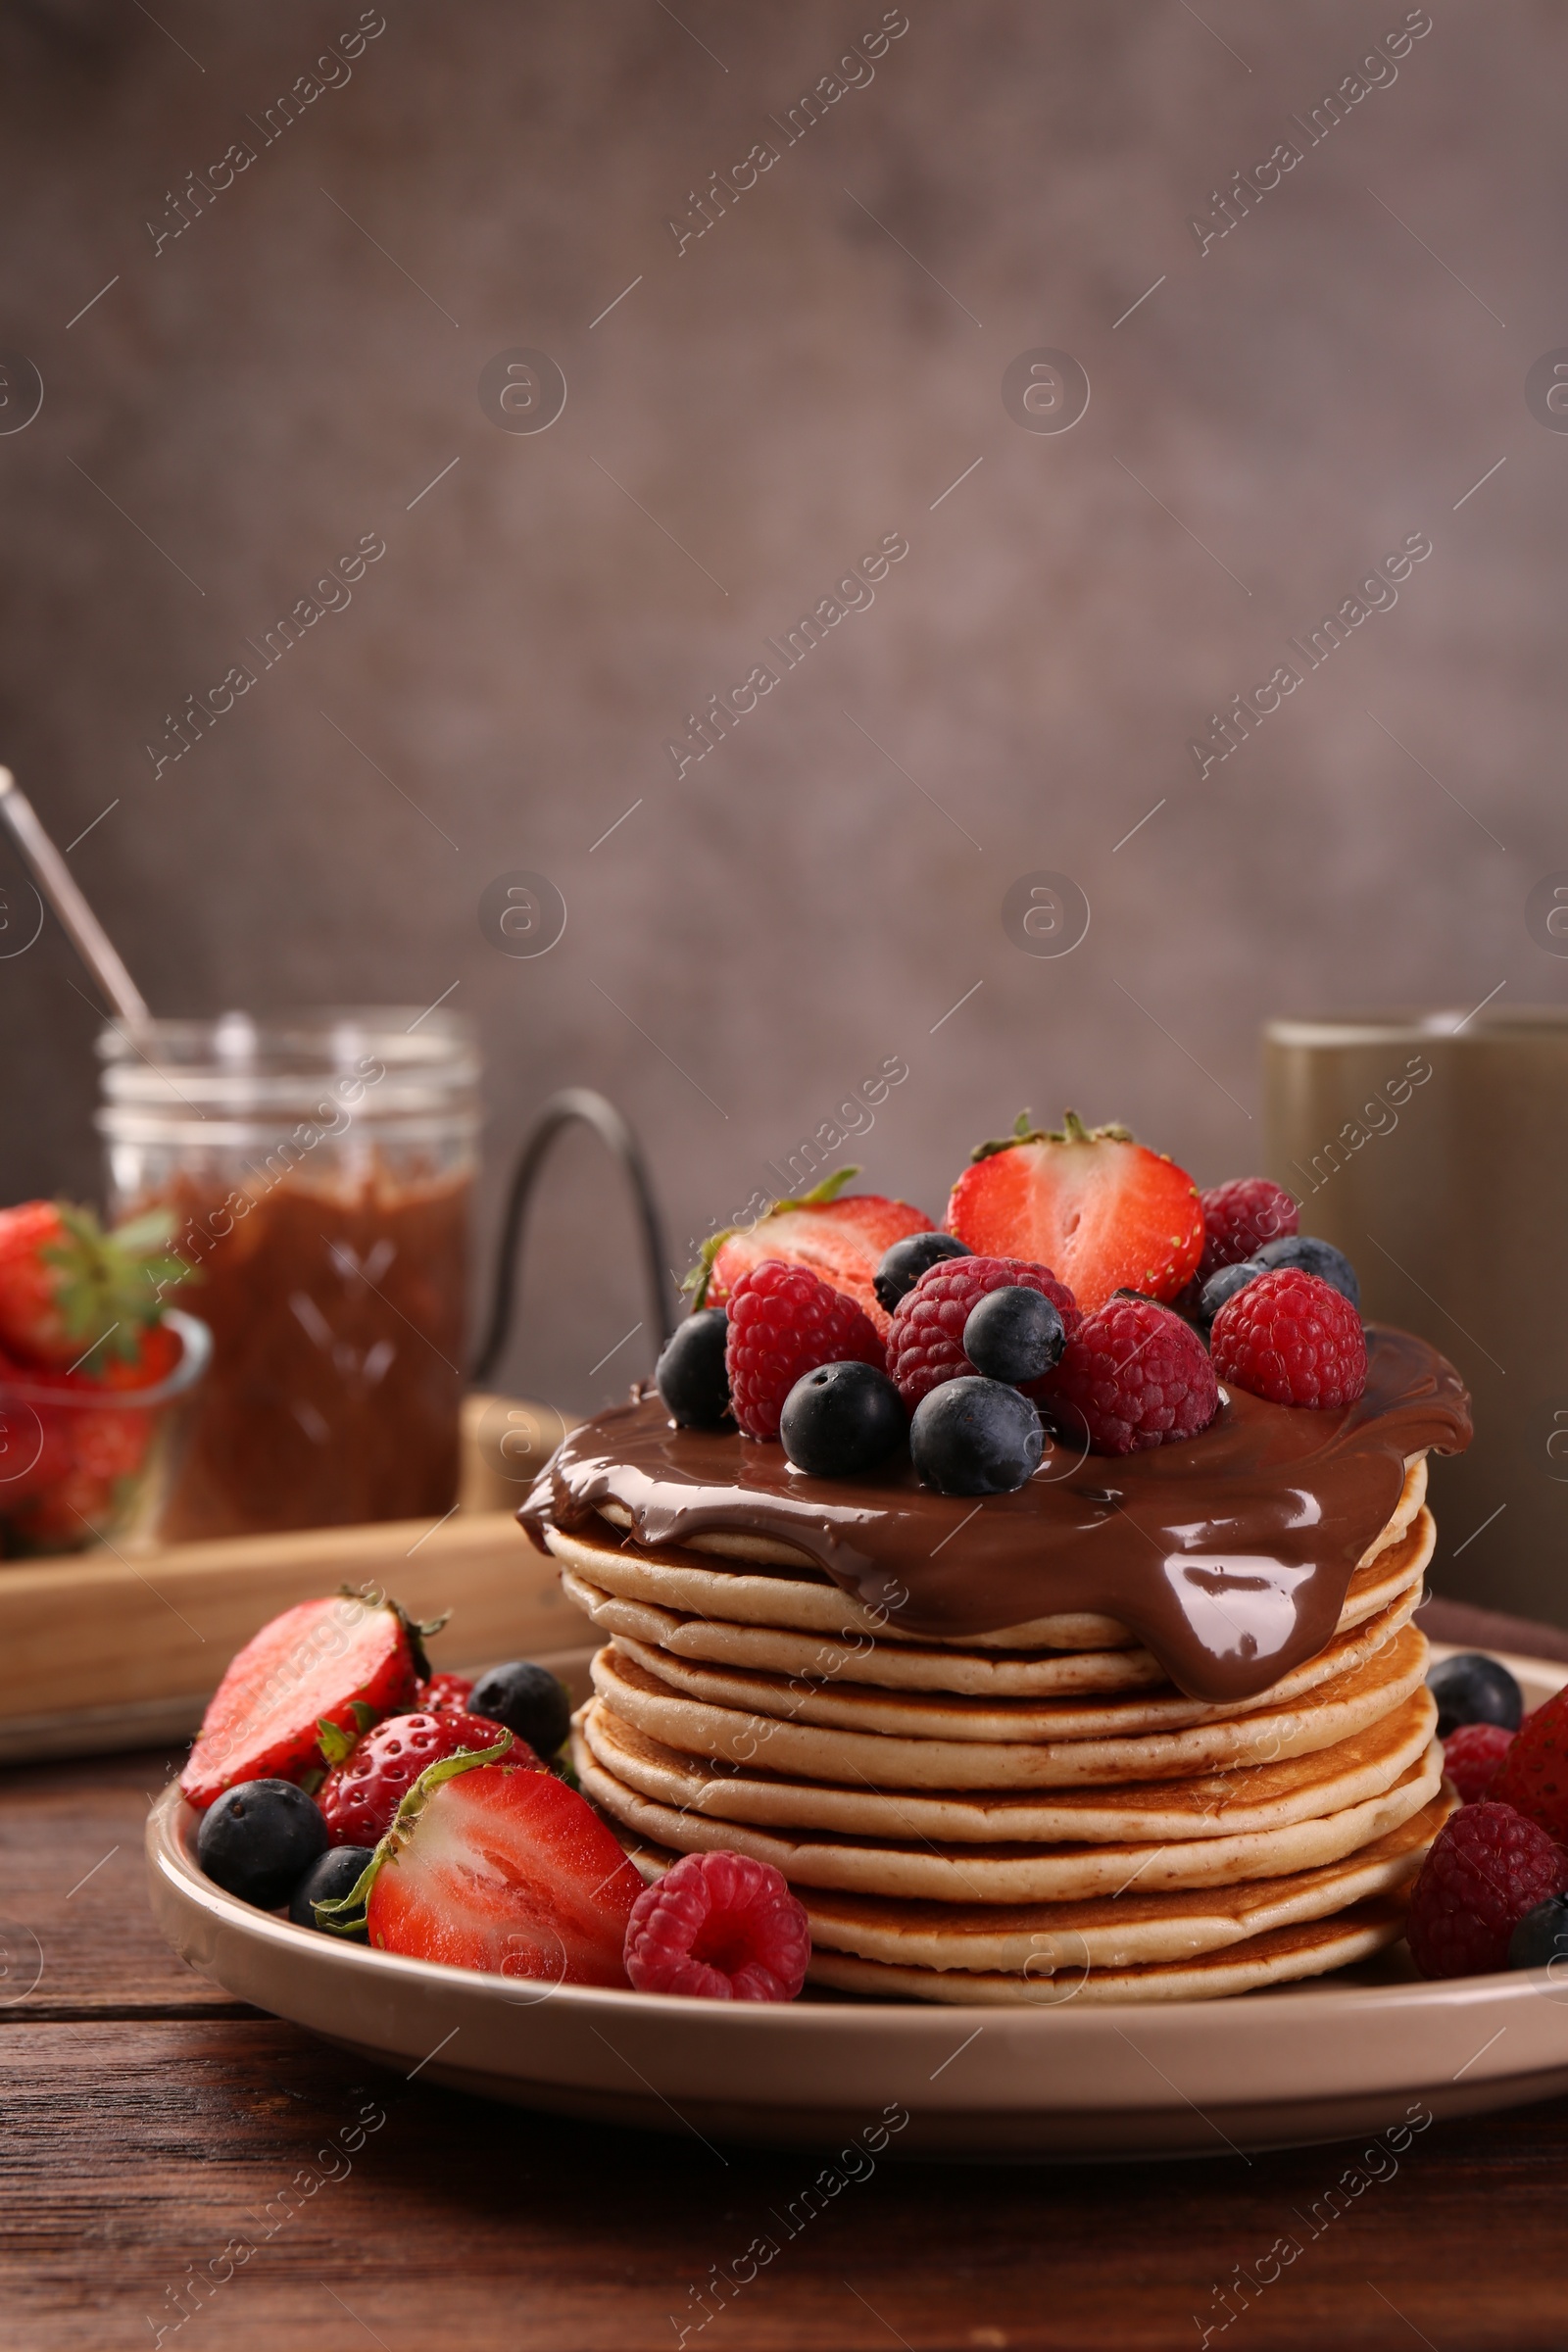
(906, 2028)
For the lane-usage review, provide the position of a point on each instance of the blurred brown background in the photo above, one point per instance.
(767, 401)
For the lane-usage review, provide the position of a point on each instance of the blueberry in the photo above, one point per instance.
(528, 1700)
(975, 1437)
(329, 1878)
(1223, 1283)
(904, 1265)
(1472, 1688)
(1014, 1335)
(258, 1838)
(841, 1419)
(1542, 1935)
(690, 1373)
(1314, 1257)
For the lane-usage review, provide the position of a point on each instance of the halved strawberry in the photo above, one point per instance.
(345, 1661)
(497, 1866)
(844, 1242)
(1101, 1210)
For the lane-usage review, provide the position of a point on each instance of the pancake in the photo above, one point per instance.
(1034, 1813)
(677, 1580)
(1318, 1719)
(931, 1715)
(900, 1665)
(1210, 1805)
(1261, 1823)
(1133, 1930)
(1281, 1957)
(893, 1665)
(806, 1600)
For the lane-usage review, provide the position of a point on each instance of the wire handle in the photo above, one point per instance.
(572, 1103)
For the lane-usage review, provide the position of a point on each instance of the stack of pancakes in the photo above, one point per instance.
(1036, 1814)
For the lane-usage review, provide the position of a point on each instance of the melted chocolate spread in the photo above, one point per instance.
(1228, 1555)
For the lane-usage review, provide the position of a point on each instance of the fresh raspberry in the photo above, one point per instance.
(925, 1346)
(1293, 1338)
(1471, 1755)
(1133, 1375)
(1535, 1778)
(783, 1322)
(723, 1926)
(1239, 1218)
(443, 1695)
(1488, 1867)
(360, 1795)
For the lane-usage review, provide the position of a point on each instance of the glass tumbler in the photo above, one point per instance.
(319, 1166)
(1430, 1146)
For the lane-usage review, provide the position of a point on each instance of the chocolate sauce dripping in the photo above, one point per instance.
(1227, 1554)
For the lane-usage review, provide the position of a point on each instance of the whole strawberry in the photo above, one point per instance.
(925, 1344)
(1533, 1777)
(360, 1795)
(783, 1322)
(1290, 1337)
(1132, 1376)
(443, 1695)
(66, 1287)
(1239, 1218)
(1487, 1868)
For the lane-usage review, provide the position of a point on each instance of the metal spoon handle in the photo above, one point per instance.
(77, 920)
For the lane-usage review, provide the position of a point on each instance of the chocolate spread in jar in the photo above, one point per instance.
(1228, 1555)
(334, 1390)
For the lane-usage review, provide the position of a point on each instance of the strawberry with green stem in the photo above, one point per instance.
(70, 1291)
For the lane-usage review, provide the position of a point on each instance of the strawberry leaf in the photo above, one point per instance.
(337, 1744)
(109, 1286)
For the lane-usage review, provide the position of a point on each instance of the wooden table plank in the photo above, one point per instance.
(150, 2124)
(72, 1895)
(136, 2154)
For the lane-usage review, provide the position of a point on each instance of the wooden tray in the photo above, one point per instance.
(108, 1650)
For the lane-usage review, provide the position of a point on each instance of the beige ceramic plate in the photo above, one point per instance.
(1364, 2052)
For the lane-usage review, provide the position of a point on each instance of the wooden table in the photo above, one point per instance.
(149, 2123)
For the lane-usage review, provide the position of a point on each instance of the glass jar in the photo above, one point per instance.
(319, 1166)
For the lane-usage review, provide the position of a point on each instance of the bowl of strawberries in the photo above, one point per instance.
(92, 1367)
